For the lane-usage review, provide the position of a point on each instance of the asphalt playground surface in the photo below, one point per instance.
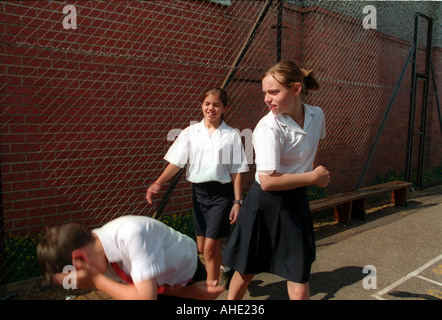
(394, 254)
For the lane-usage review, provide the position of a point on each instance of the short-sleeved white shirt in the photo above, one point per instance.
(209, 157)
(281, 145)
(146, 248)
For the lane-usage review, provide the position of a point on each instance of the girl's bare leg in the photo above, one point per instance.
(298, 291)
(238, 285)
(211, 249)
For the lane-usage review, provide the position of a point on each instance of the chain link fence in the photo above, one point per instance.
(93, 92)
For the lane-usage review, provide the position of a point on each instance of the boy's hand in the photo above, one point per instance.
(206, 290)
(201, 290)
(84, 274)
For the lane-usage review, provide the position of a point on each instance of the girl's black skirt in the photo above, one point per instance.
(273, 234)
(212, 203)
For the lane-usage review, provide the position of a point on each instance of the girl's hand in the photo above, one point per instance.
(152, 191)
(234, 213)
(322, 176)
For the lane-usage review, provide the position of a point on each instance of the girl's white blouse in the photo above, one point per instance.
(281, 145)
(208, 157)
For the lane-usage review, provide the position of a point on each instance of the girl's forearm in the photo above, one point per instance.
(284, 181)
(237, 185)
(167, 174)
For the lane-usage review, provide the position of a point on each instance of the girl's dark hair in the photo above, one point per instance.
(222, 94)
(288, 73)
(55, 247)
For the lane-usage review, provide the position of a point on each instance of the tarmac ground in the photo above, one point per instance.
(394, 254)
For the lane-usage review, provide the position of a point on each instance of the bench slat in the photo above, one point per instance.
(354, 202)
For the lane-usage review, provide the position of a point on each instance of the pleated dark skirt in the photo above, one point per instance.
(273, 234)
(212, 203)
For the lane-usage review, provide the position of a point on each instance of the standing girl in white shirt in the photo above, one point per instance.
(215, 159)
(274, 231)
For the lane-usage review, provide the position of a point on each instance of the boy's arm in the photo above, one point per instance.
(87, 276)
(146, 290)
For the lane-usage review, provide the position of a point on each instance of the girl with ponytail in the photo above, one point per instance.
(274, 231)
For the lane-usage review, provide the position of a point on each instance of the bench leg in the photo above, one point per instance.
(399, 197)
(358, 209)
(343, 213)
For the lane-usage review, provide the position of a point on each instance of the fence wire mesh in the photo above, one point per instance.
(93, 92)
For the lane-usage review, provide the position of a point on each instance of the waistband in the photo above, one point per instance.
(213, 187)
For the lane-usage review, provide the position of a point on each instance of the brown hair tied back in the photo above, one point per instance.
(288, 73)
(310, 83)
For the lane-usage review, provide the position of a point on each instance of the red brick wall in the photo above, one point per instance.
(86, 112)
(358, 70)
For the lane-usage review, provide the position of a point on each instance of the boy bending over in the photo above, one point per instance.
(131, 257)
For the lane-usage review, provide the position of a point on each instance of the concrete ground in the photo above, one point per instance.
(396, 253)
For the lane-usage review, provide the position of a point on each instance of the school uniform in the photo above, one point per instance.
(274, 230)
(210, 159)
(143, 248)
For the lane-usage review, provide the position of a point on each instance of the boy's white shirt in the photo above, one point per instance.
(146, 248)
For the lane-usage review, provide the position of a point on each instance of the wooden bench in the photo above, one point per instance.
(352, 204)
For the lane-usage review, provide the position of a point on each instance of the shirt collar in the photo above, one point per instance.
(109, 245)
(200, 126)
(287, 121)
(310, 115)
